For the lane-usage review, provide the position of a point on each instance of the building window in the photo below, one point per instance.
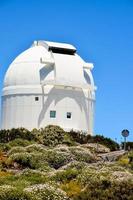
(36, 98)
(69, 114)
(52, 114)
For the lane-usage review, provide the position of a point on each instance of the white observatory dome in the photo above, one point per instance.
(49, 84)
(25, 68)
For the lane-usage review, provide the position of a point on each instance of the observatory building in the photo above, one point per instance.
(49, 83)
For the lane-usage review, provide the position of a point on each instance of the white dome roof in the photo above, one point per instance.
(25, 68)
(30, 67)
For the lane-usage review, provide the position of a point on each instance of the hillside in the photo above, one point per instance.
(54, 165)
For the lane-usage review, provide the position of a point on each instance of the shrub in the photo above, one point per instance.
(38, 134)
(79, 137)
(19, 142)
(69, 140)
(105, 141)
(3, 147)
(76, 165)
(124, 161)
(33, 176)
(82, 155)
(17, 149)
(3, 157)
(4, 174)
(91, 174)
(24, 178)
(66, 175)
(82, 138)
(130, 156)
(57, 159)
(72, 188)
(44, 192)
(9, 135)
(52, 135)
(104, 189)
(36, 148)
(31, 160)
(8, 192)
(35, 156)
(129, 145)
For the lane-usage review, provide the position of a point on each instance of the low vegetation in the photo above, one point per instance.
(52, 164)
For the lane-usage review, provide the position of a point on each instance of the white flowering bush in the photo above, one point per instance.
(65, 175)
(36, 156)
(82, 155)
(52, 135)
(62, 148)
(44, 192)
(8, 192)
(16, 149)
(19, 142)
(35, 147)
(57, 159)
(91, 174)
(31, 160)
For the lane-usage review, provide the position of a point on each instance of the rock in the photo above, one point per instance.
(112, 156)
(96, 147)
(120, 176)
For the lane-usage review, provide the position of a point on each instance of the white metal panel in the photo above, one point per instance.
(66, 66)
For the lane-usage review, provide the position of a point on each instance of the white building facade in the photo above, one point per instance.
(49, 83)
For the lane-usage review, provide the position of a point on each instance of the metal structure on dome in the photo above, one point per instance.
(49, 83)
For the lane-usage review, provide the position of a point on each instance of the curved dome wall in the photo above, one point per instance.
(49, 84)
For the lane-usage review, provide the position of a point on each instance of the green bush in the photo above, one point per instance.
(19, 142)
(25, 178)
(44, 192)
(82, 138)
(57, 159)
(82, 155)
(31, 160)
(8, 192)
(79, 137)
(123, 161)
(105, 189)
(36, 148)
(129, 145)
(37, 156)
(32, 176)
(72, 188)
(9, 135)
(17, 149)
(130, 156)
(91, 174)
(52, 135)
(66, 175)
(112, 145)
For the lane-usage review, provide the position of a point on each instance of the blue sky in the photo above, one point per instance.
(102, 31)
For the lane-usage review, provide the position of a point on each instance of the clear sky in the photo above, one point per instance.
(102, 31)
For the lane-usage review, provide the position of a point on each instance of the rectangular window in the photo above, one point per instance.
(69, 114)
(36, 98)
(52, 114)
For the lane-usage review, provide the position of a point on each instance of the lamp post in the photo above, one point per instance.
(125, 134)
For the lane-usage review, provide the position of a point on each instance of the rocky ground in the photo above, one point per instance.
(55, 166)
(64, 172)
